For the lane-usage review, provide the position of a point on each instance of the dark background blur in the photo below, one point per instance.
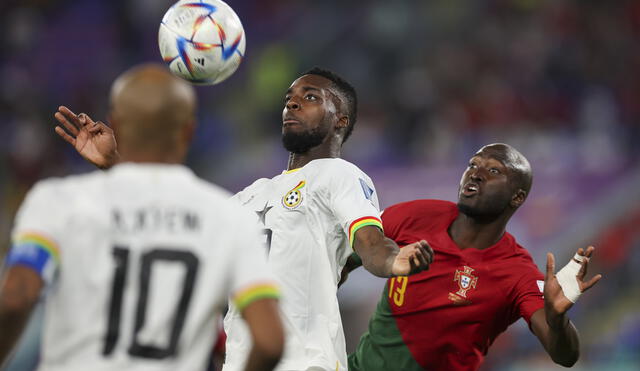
(557, 79)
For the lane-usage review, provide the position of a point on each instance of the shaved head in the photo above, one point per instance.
(514, 161)
(151, 109)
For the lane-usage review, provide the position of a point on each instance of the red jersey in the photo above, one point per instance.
(448, 316)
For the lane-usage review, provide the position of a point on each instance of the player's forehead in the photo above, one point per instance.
(494, 153)
(311, 82)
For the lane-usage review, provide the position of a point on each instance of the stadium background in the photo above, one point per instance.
(558, 79)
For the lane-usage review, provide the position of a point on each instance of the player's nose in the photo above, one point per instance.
(292, 104)
(476, 175)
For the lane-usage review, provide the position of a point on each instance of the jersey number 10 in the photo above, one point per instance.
(121, 255)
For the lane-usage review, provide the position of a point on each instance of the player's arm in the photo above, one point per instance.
(19, 292)
(552, 325)
(353, 262)
(382, 257)
(263, 318)
(94, 141)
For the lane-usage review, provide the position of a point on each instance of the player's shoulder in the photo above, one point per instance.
(227, 209)
(67, 184)
(62, 194)
(251, 189)
(333, 165)
(258, 183)
(516, 255)
(211, 189)
(520, 251)
(422, 208)
(423, 215)
(334, 169)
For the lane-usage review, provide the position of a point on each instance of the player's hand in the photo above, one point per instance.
(555, 302)
(94, 141)
(413, 258)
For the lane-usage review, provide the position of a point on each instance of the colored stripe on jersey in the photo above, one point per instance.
(253, 293)
(382, 347)
(362, 222)
(37, 252)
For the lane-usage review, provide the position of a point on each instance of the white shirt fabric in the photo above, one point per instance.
(171, 246)
(307, 214)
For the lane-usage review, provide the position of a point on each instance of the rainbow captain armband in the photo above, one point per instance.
(36, 252)
(362, 222)
(252, 293)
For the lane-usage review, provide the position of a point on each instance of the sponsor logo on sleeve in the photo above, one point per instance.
(368, 191)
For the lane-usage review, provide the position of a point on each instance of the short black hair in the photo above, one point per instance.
(514, 161)
(347, 91)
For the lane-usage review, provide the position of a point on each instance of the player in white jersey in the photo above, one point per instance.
(308, 215)
(138, 261)
(315, 214)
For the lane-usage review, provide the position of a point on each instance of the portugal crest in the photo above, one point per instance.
(466, 281)
(293, 198)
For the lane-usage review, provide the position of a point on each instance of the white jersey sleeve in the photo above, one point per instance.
(352, 198)
(36, 230)
(251, 278)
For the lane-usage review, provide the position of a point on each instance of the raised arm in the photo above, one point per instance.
(551, 325)
(382, 257)
(264, 322)
(94, 141)
(19, 292)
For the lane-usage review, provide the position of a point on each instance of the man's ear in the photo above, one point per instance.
(518, 198)
(188, 131)
(113, 124)
(343, 122)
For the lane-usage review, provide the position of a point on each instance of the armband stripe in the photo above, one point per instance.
(37, 252)
(40, 241)
(362, 222)
(250, 294)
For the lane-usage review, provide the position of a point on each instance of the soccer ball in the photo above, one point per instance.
(201, 41)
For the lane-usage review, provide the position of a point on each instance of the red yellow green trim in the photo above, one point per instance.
(300, 185)
(250, 294)
(362, 222)
(41, 241)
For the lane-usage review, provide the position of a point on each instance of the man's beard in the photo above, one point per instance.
(304, 141)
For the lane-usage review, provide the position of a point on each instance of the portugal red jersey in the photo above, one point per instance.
(447, 317)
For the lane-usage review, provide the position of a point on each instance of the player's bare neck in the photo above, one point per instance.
(467, 232)
(298, 160)
(150, 157)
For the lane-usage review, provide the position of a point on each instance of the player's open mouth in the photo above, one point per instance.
(470, 189)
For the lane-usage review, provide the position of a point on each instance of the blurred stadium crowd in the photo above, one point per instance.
(558, 79)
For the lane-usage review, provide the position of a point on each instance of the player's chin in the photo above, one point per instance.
(468, 206)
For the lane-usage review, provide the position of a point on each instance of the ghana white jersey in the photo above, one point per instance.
(309, 217)
(138, 262)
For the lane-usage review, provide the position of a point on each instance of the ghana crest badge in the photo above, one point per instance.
(293, 198)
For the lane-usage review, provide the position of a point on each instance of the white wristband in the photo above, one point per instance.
(567, 278)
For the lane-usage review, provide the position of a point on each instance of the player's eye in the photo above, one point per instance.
(310, 97)
(287, 98)
(471, 165)
(493, 170)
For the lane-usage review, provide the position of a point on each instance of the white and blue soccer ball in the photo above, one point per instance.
(202, 41)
